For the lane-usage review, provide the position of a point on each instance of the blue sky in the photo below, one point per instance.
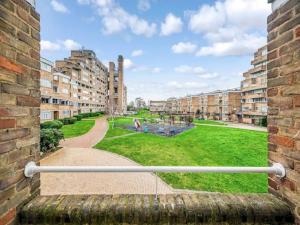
(171, 48)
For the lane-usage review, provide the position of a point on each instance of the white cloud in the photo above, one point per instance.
(70, 44)
(67, 44)
(171, 25)
(231, 27)
(156, 70)
(209, 75)
(185, 85)
(184, 47)
(116, 19)
(246, 14)
(207, 18)
(59, 7)
(49, 46)
(136, 53)
(189, 69)
(144, 5)
(239, 46)
(128, 64)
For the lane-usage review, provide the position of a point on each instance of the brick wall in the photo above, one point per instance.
(19, 104)
(284, 100)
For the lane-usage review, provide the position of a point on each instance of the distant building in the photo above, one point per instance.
(139, 103)
(117, 90)
(254, 87)
(157, 106)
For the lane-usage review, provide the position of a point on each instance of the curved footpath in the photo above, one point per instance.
(78, 151)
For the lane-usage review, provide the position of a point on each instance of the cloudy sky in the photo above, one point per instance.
(171, 48)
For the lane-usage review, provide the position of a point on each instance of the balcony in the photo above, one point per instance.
(258, 69)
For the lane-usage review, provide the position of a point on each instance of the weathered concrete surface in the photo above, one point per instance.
(204, 208)
(96, 183)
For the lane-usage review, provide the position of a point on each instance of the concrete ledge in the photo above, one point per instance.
(203, 208)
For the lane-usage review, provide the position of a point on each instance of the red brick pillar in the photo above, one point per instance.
(284, 98)
(19, 104)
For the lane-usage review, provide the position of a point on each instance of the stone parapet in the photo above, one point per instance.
(198, 208)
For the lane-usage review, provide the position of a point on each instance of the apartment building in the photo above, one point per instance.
(117, 101)
(253, 89)
(139, 103)
(157, 106)
(227, 104)
(57, 100)
(88, 80)
(79, 84)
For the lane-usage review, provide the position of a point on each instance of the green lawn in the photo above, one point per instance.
(78, 128)
(202, 146)
(145, 114)
(210, 122)
(92, 118)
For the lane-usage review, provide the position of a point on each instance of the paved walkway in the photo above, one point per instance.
(78, 151)
(89, 139)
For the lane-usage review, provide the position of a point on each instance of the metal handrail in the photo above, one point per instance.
(31, 168)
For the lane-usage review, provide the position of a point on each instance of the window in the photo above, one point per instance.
(66, 112)
(46, 115)
(65, 91)
(45, 100)
(45, 83)
(65, 80)
(46, 67)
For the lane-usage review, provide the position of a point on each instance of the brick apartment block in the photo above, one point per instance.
(77, 84)
(219, 105)
(254, 88)
(117, 90)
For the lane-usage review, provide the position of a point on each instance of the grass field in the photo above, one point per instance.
(78, 128)
(202, 146)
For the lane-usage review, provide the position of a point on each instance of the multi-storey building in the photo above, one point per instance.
(88, 80)
(218, 105)
(57, 100)
(253, 87)
(157, 106)
(140, 103)
(227, 104)
(117, 102)
(78, 84)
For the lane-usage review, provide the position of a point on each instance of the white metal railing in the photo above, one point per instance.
(31, 168)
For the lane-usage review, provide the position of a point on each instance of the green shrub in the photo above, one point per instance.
(78, 117)
(55, 124)
(50, 139)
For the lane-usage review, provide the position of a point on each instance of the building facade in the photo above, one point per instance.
(78, 84)
(157, 106)
(58, 95)
(253, 89)
(117, 100)
(139, 103)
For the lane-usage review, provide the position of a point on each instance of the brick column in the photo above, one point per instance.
(19, 104)
(284, 99)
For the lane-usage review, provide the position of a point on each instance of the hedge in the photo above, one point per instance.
(50, 139)
(55, 124)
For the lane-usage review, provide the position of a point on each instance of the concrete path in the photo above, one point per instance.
(78, 152)
(89, 139)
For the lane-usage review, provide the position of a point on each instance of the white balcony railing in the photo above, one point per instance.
(31, 168)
